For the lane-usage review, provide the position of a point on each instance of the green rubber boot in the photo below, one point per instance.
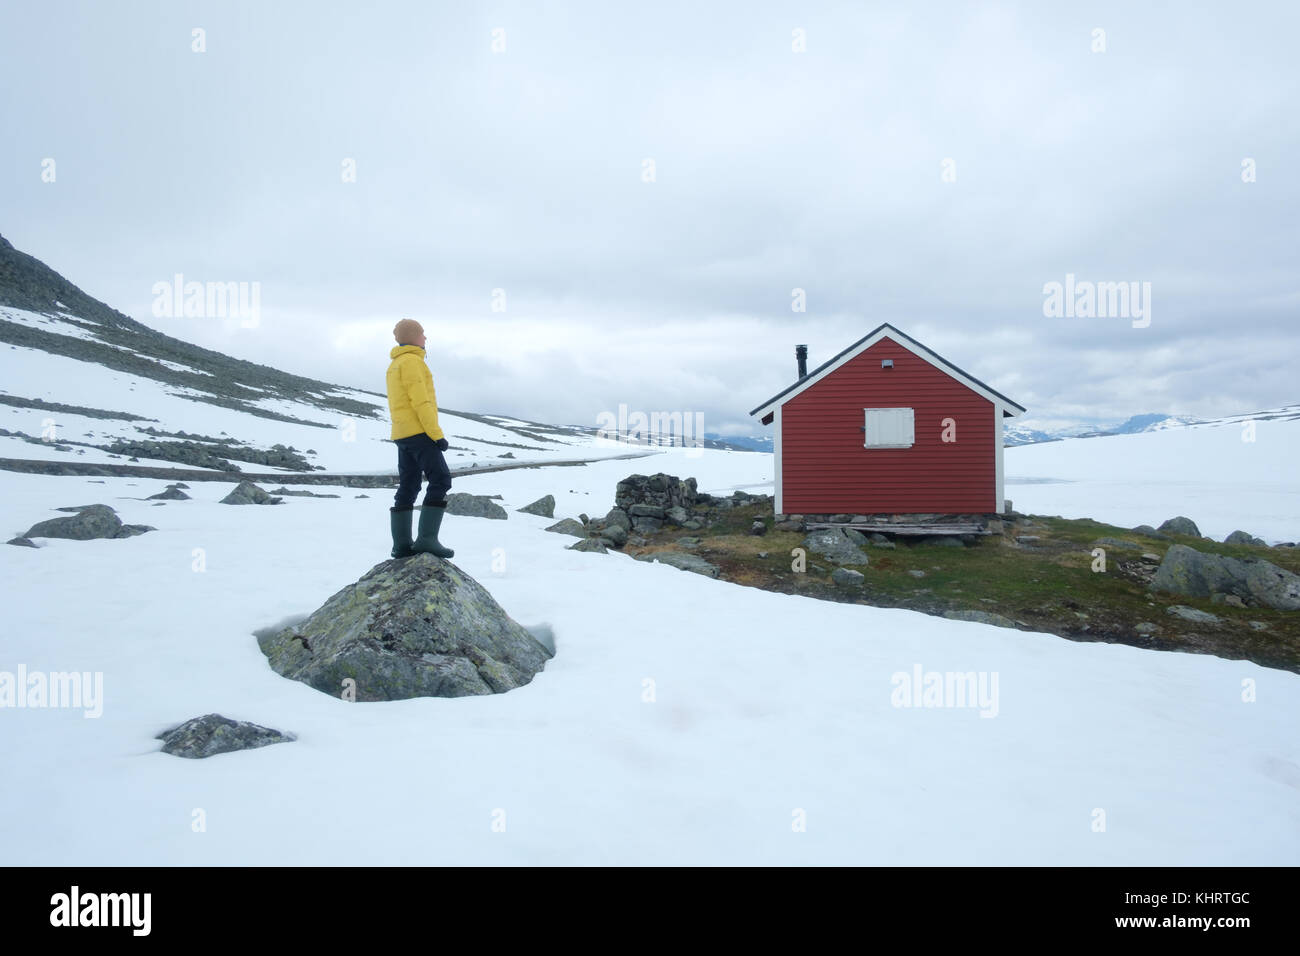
(427, 540)
(401, 526)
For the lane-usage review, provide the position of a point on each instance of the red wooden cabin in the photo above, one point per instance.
(887, 427)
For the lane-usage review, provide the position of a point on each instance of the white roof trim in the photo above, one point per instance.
(1008, 411)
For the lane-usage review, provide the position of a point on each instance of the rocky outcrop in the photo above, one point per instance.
(598, 545)
(475, 506)
(683, 562)
(1241, 537)
(569, 526)
(247, 493)
(411, 627)
(170, 493)
(90, 521)
(1180, 525)
(1255, 581)
(214, 734)
(840, 545)
(542, 507)
(299, 493)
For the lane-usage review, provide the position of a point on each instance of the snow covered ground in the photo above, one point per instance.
(683, 720)
(1224, 476)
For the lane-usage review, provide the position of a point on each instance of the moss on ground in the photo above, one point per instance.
(1049, 585)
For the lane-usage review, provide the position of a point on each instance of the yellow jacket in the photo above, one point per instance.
(412, 403)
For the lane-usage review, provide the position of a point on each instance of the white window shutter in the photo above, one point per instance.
(890, 428)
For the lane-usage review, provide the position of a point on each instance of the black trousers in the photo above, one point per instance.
(418, 457)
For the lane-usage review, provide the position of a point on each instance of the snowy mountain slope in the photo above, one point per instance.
(341, 442)
(764, 706)
(1220, 474)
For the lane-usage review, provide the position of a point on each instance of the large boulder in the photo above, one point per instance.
(475, 506)
(1194, 573)
(836, 545)
(1180, 525)
(569, 526)
(90, 521)
(410, 627)
(214, 734)
(543, 507)
(247, 493)
(1241, 537)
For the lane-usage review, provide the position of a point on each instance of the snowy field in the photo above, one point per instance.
(767, 709)
(1206, 472)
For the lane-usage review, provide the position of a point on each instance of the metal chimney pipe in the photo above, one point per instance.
(801, 356)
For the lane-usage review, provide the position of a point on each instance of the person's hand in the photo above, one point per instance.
(441, 444)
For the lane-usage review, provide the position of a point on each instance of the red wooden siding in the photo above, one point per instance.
(826, 469)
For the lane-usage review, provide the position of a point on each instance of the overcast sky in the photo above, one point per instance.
(524, 170)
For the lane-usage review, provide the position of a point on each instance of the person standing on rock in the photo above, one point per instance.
(413, 406)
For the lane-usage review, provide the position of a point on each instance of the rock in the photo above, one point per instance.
(877, 538)
(1180, 525)
(247, 493)
(947, 541)
(859, 519)
(646, 511)
(1229, 599)
(170, 494)
(762, 554)
(599, 545)
(856, 537)
(1118, 543)
(659, 490)
(684, 562)
(615, 534)
(22, 542)
(646, 525)
(510, 454)
(693, 524)
(410, 627)
(90, 521)
(1241, 537)
(179, 484)
(569, 526)
(834, 545)
(78, 508)
(300, 493)
(584, 519)
(1027, 539)
(759, 527)
(676, 515)
(617, 516)
(1144, 627)
(787, 526)
(1192, 614)
(688, 542)
(980, 617)
(1257, 625)
(636, 541)
(1150, 532)
(475, 506)
(542, 507)
(360, 496)
(1194, 573)
(1150, 558)
(917, 574)
(214, 734)
(847, 578)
